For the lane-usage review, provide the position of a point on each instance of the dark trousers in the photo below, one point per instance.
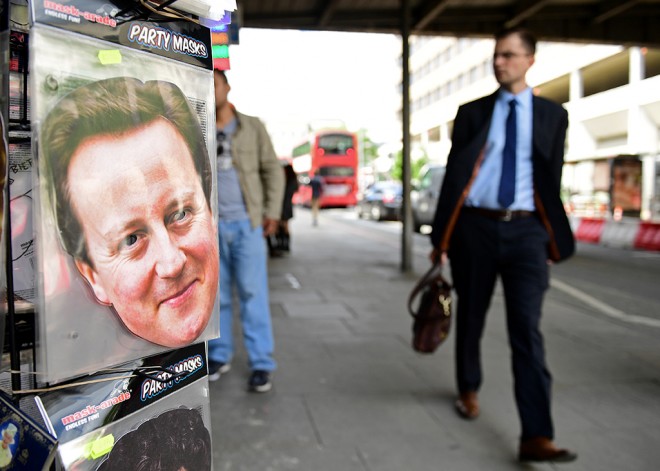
(481, 249)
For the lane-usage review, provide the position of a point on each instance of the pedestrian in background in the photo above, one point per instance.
(291, 186)
(317, 190)
(281, 241)
(251, 187)
(499, 213)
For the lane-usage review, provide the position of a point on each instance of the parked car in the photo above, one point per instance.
(424, 197)
(381, 200)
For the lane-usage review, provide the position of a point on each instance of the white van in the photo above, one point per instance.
(424, 197)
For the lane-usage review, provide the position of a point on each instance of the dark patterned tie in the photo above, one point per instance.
(507, 190)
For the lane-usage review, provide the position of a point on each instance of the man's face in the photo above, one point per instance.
(149, 231)
(511, 61)
(221, 90)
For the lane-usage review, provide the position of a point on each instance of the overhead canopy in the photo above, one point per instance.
(596, 21)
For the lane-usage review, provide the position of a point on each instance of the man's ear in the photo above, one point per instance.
(92, 279)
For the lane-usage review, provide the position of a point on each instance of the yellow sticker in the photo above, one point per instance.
(110, 56)
(99, 447)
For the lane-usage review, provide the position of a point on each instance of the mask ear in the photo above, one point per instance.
(92, 279)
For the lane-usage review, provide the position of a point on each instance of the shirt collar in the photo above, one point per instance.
(231, 126)
(523, 98)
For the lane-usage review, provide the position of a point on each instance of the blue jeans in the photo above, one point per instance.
(243, 263)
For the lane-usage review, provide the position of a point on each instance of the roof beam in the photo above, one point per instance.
(429, 12)
(327, 12)
(611, 9)
(524, 11)
(555, 22)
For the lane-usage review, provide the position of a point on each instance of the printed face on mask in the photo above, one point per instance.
(150, 239)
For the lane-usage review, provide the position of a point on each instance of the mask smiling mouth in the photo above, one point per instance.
(180, 297)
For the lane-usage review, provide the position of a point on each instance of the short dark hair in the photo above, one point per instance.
(113, 106)
(526, 36)
(175, 439)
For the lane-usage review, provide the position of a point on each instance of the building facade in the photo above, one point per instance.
(612, 94)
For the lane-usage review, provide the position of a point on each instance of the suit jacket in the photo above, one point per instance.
(471, 127)
(259, 171)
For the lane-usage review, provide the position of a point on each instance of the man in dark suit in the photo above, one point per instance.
(499, 213)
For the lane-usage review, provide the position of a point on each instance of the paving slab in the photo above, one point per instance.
(351, 395)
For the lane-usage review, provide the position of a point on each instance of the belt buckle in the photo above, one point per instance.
(507, 216)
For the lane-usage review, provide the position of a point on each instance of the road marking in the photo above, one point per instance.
(602, 307)
(293, 281)
(650, 255)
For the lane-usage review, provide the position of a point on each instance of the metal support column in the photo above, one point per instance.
(407, 233)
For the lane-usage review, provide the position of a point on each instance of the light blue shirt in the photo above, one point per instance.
(231, 206)
(483, 192)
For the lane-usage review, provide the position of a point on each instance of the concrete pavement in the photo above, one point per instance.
(351, 395)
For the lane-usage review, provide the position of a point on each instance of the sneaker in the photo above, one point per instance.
(260, 381)
(217, 369)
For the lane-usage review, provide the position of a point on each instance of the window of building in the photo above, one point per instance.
(606, 74)
(434, 134)
(473, 75)
(651, 62)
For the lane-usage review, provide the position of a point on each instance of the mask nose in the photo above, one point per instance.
(170, 259)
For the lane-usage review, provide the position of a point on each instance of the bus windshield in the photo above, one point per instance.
(335, 144)
(336, 171)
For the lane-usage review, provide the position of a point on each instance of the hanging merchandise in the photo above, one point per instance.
(3, 280)
(155, 410)
(171, 37)
(24, 444)
(4, 159)
(213, 9)
(125, 198)
(20, 172)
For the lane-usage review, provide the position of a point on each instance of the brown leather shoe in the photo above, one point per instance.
(543, 449)
(467, 405)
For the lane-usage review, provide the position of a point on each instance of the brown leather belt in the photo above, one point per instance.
(499, 214)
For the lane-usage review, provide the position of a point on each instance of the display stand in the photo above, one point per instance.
(62, 327)
(18, 325)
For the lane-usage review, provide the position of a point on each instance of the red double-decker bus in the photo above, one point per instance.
(332, 155)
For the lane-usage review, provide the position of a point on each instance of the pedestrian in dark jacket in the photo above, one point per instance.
(281, 241)
(499, 213)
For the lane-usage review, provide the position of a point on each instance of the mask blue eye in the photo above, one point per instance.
(179, 215)
(130, 240)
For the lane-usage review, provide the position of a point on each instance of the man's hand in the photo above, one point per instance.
(436, 255)
(270, 226)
